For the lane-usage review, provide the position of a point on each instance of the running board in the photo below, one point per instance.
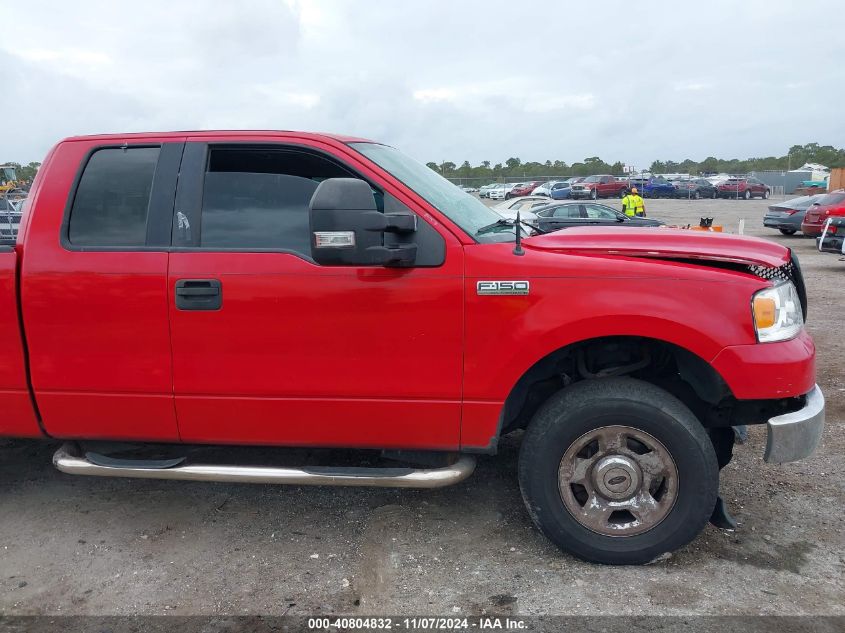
(68, 460)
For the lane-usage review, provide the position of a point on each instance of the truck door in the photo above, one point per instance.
(94, 289)
(271, 348)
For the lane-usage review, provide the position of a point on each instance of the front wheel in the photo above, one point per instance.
(595, 194)
(788, 231)
(766, 194)
(617, 471)
(507, 196)
(697, 195)
(747, 195)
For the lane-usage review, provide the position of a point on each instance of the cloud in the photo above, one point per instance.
(550, 102)
(692, 86)
(431, 95)
(440, 80)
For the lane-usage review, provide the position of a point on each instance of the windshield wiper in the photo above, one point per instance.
(493, 226)
(508, 223)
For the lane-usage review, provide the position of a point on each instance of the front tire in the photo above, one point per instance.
(766, 194)
(788, 231)
(595, 194)
(747, 195)
(617, 471)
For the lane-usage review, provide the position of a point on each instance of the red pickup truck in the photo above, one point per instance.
(299, 290)
(595, 187)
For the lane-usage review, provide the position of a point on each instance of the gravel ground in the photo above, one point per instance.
(75, 545)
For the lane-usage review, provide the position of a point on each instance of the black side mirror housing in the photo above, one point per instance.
(347, 229)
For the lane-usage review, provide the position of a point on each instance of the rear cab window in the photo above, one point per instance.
(111, 202)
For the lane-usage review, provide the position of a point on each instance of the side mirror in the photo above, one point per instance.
(347, 229)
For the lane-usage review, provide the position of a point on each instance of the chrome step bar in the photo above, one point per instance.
(68, 460)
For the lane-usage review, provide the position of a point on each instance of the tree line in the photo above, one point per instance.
(797, 156)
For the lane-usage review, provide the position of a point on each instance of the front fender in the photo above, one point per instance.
(506, 335)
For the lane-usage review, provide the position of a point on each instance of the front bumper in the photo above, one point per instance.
(794, 436)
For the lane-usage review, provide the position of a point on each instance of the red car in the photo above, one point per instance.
(745, 188)
(523, 189)
(833, 204)
(287, 289)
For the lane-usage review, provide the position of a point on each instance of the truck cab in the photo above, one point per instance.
(290, 289)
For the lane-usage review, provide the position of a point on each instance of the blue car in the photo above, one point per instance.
(562, 190)
(657, 187)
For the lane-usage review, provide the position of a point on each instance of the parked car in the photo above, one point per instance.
(745, 188)
(545, 188)
(466, 189)
(832, 239)
(281, 289)
(694, 188)
(829, 205)
(525, 189)
(563, 215)
(563, 190)
(484, 190)
(657, 187)
(596, 187)
(502, 191)
(524, 205)
(787, 216)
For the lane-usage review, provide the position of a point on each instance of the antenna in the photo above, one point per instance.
(517, 249)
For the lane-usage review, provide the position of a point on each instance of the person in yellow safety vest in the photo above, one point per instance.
(633, 205)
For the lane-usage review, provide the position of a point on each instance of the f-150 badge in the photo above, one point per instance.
(502, 287)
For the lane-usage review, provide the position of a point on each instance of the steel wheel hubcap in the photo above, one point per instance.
(618, 481)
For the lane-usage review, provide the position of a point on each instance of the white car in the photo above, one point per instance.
(501, 191)
(485, 189)
(524, 205)
(545, 189)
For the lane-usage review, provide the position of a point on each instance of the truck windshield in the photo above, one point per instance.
(463, 209)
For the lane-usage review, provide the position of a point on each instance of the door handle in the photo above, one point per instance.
(199, 294)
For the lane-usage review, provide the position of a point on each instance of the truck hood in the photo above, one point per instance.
(660, 243)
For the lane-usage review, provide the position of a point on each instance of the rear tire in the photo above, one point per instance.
(788, 231)
(649, 446)
(697, 195)
(766, 194)
(747, 195)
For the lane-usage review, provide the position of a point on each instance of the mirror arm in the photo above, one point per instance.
(398, 256)
(391, 222)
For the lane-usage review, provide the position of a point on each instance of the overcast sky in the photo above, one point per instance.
(442, 80)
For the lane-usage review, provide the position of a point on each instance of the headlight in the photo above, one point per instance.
(777, 313)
